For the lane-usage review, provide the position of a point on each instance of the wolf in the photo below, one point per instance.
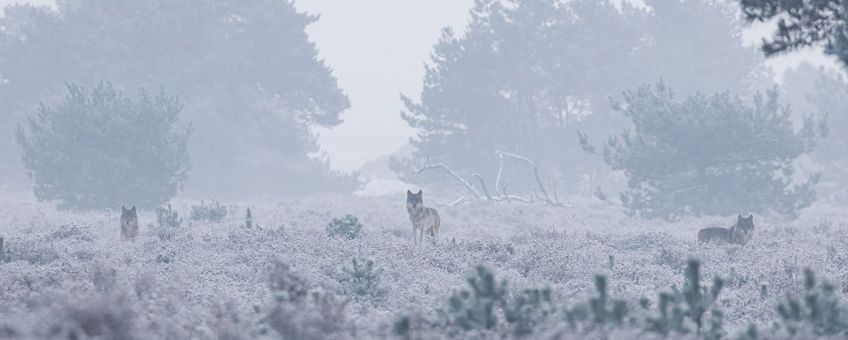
(129, 224)
(423, 219)
(738, 234)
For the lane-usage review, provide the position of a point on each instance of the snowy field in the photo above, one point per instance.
(67, 275)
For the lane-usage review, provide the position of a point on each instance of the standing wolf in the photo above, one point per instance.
(738, 234)
(129, 224)
(422, 218)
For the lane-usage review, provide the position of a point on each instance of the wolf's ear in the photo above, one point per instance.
(740, 217)
(123, 209)
(132, 210)
(420, 192)
(408, 192)
(751, 217)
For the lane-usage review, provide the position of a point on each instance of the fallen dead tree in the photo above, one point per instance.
(500, 189)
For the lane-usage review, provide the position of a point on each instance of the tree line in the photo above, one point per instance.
(108, 100)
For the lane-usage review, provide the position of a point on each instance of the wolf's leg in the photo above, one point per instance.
(414, 235)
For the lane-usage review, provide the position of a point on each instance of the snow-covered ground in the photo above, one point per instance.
(67, 274)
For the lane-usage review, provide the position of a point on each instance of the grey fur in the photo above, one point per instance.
(740, 233)
(129, 224)
(422, 218)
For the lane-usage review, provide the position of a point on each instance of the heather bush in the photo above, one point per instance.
(102, 317)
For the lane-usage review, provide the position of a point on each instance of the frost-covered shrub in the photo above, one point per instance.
(212, 212)
(168, 217)
(402, 327)
(99, 148)
(603, 310)
(692, 303)
(168, 221)
(103, 278)
(699, 298)
(34, 252)
(2, 251)
(818, 311)
(363, 279)
(487, 306)
(285, 285)
(528, 309)
(103, 317)
(320, 315)
(348, 227)
(600, 310)
(296, 312)
(475, 308)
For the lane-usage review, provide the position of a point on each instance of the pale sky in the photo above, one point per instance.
(377, 50)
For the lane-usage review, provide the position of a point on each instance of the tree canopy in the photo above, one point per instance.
(251, 80)
(710, 154)
(527, 73)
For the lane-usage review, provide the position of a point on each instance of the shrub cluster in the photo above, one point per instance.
(212, 212)
(487, 308)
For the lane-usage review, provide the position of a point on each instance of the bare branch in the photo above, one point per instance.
(556, 196)
(535, 173)
(483, 185)
(498, 177)
(453, 174)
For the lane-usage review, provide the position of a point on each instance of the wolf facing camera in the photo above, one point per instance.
(423, 219)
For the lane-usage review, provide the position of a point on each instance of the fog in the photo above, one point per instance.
(406, 169)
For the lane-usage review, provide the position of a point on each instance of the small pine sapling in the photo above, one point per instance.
(602, 314)
(168, 217)
(698, 299)
(402, 327)
(248, 219)
(364, 279)
(347, 227)
(528, 309)
(475, 309)
(820, 309)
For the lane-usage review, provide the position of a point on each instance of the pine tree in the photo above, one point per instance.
(714, 155)
(99, 149)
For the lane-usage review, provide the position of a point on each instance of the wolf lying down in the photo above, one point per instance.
(738, 234)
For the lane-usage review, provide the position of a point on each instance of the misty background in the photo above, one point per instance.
(386, 169)
(373, 53)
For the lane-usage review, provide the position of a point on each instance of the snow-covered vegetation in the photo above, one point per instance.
(67, 275)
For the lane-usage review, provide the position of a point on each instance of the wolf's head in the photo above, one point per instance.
(745, 226)
(414, 201)
(745, 223)
(129, 218)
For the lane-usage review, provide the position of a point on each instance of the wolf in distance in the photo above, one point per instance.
(423, 219)
(129, 224)
(738, 234)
